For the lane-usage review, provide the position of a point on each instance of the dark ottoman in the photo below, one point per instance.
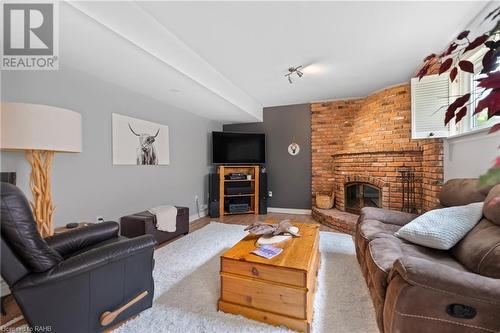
(145, 223)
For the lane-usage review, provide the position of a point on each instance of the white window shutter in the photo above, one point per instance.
(429, 101)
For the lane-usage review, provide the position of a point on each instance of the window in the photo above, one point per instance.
(481, 119)
(431, 96)
(467, 83)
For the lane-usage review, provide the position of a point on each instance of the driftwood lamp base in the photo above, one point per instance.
(42, 206)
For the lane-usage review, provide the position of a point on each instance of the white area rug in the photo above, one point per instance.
(187, 288)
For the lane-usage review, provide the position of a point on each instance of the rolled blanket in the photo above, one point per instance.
(166, 217)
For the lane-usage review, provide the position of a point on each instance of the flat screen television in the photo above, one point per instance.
(238, 148)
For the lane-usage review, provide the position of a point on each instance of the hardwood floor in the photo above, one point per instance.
(250, 218)
(13, 311)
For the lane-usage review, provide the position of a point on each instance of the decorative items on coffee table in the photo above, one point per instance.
(277, 291)
(273, 233)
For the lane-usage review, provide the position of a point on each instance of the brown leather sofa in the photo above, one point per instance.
(419, 289)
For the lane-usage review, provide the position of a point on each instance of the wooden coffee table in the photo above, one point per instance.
(277, 291)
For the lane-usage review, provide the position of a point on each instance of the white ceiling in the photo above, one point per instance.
(228, 58)
(121, 43)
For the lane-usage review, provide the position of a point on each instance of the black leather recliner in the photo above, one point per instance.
(73, 282)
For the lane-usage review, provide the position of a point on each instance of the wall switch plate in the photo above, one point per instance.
(270, 194)
(99, 219)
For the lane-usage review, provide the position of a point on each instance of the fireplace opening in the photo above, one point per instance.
(359, 195)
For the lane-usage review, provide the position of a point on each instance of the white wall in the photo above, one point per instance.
(87, 184)
(470, 155)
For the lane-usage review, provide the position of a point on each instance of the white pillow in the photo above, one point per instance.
(442, 228)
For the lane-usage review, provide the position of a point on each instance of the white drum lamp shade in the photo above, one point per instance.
(40, 127)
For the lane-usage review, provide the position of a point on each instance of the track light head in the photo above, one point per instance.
(296, 70)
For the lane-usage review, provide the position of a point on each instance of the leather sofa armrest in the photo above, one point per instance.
(386, 215)
(447, 280)
(74, 240)
(88, 261)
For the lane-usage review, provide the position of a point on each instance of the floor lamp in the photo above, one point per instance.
(40, 131)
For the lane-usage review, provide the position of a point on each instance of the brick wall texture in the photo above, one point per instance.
(368, 140)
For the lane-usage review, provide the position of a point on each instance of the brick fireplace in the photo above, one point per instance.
(381, 170)
(367, 141)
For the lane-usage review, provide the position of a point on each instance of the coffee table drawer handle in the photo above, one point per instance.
(255, 271)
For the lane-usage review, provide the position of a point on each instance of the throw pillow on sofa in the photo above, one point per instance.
(442, 228)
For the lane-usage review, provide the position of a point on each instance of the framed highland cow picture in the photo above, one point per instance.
(139, 142)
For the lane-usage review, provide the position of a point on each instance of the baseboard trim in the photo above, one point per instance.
(204, 212)
(289, 211)
(195, 217)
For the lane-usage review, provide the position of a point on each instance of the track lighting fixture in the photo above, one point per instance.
(296, 70)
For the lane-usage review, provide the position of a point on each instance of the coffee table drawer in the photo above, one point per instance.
(280, 299)
(270, 273)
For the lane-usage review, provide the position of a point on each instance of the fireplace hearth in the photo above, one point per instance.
(359, 195)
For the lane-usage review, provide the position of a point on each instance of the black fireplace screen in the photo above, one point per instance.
(359, 195)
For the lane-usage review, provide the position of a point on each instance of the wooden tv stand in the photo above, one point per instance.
(253, 198)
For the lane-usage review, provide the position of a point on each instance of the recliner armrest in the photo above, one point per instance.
(447, 280)
(74, 240)
(88, 261)
(386, 216)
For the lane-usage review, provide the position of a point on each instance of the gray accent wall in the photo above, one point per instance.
(87, 184)
(289, 176)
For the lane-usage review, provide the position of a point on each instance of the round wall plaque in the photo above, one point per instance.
(293, 149)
